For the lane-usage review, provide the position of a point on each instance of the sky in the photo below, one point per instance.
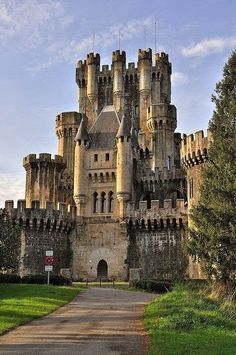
(41, 41)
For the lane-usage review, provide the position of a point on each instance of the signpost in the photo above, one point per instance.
(48, 262)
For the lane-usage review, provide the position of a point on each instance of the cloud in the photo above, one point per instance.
(179, 78)
(29, 23)
(110, 36)
(11, 187)
(209, 46)
(34, 69)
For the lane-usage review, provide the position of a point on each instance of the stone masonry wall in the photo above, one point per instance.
(41, 230)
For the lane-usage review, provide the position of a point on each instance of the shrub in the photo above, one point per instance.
(59, 280)
(10, 278)
(159, 286)
(34, 279)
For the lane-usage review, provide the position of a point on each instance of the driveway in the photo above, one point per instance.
(98, 321)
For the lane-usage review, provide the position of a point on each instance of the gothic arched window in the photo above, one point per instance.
(111, 202)
(103, 202)
(95, 202)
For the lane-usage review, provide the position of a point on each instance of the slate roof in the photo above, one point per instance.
(82, 133)
(124, 129)
(103, 132)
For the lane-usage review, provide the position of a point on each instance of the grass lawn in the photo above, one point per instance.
(188, 321)
(20, 304)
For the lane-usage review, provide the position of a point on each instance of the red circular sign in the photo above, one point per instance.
(49, 260)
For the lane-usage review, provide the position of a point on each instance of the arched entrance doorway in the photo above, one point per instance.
(102, 270)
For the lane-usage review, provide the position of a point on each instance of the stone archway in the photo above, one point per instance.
(102, 270)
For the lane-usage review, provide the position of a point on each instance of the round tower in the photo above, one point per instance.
(162, 124)
(118, 67)
(144, 69)
(81, 82)
(164, 70)
(80, 183)
(43, 179)
(124, 166)
(93, 66)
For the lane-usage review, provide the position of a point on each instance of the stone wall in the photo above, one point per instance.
(157, 251)
(100, 239)
(41, 230)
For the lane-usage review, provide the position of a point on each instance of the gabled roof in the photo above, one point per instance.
(103, 132)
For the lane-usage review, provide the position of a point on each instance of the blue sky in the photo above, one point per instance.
(41, 40)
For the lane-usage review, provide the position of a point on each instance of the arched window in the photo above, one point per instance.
(103, 202)
(141, 154)
(95, 202)
(111, 202)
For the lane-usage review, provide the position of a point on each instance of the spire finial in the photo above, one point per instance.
(119, 38)
(93, 40)
(155, 37)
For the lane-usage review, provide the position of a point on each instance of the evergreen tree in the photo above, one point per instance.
(9, 243)
(212, 236)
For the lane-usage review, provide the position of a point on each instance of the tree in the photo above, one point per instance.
(9, 243)
(212, 236)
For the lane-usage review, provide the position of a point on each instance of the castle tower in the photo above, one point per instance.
(81, 82)
(163, 78)
(80, 181)
(93, 68)
(43, 179)
(144, 69)
(124, 166)
(67, 124)
(194, 155)
(118, 66)
(162, 124)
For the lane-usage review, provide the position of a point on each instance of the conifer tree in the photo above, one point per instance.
(212, 237)
(9, 243)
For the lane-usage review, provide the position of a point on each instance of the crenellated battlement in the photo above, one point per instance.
(150, 179)
(68, 118)
(145, 54)
(161, 58)
(159, 216)
(81, 64)
(33, 159)
(161, 116)
(118, 56)
(60, 219)
(194, 148)
(93, 58)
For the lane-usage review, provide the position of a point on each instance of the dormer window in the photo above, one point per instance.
(107, 157)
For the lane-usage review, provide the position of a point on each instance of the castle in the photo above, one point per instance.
(115, 198)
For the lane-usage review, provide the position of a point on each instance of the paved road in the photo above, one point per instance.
(98, 321)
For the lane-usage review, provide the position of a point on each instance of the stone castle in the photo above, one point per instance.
(116, 196)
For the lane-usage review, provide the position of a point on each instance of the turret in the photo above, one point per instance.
(163, 67)
(81, 82)
(124, 166)
(118, 66)
(93, 66)
(67, 124)
(144, 69)
(162, 124)
(80, 183)
(144, 66)
(43, 178)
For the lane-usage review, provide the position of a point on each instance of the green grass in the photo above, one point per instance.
(188, 321)
(20, 304)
